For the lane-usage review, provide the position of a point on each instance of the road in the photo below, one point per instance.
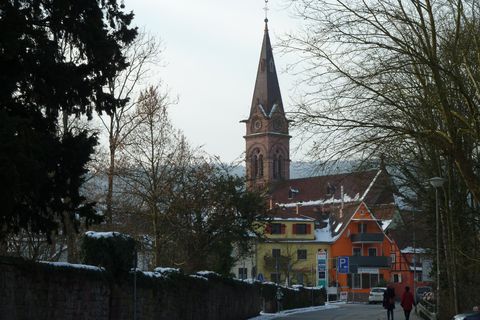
(351, 312)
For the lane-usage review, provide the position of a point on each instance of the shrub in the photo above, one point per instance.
(112, 250)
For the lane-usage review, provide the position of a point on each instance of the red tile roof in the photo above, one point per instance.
(376, 182)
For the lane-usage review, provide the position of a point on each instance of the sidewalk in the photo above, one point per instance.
(264, 316)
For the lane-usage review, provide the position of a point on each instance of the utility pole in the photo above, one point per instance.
(414, 263)
(437, 182)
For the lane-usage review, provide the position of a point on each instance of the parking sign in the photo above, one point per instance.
(342, 264)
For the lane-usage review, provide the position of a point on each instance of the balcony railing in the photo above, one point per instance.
(367, 237)
(369, 262)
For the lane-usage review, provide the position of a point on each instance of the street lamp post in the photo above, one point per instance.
(437, 182)
(414, 263)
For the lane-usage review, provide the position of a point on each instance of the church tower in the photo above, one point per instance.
(267, 139)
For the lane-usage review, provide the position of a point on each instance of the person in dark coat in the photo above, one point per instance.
(407, 302)
(389, 301)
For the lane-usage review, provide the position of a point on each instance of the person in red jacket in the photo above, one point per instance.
(407, 302)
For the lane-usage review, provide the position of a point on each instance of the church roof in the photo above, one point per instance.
(374, 187)
(266, 95)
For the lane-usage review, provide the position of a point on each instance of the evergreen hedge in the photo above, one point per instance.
(113, 251)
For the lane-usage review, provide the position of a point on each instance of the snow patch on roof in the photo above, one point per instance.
(73, 265)
(411, 250)
(262, 110)
(325, 234)
(385, 224)
(332, 200)
(338, 227)
(293, 219)
(273, 110)
(370, 185)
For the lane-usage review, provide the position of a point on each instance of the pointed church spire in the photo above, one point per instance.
(267, 90)
(267, 153)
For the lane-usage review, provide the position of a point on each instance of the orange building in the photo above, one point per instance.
(374, 258)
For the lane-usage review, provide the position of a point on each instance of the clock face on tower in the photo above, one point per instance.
(256, 124)
(278, 124)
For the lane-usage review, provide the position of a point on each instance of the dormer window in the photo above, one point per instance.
(330, 189)
(292, 192)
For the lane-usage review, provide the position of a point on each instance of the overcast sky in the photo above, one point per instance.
(211, 53)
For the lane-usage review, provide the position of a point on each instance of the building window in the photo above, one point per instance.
(257, 164)
(363, 280)
(301, 228)
(242, 273)
(362, 228)
(393, 257)
(292, 192)
(299, 276)
(330, 189)
(301, 254)
(419, 276)
(372, 252)
(357, 251)
(254, 166)
(277, 165)
(280, 165)
(277, 228)
(260, 165)
(275, 277)
(355, 280)
(396, 278)
(276, 253)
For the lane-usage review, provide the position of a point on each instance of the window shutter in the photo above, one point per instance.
(294, 230)
(283, 228)
(268, 229)
(309, 228)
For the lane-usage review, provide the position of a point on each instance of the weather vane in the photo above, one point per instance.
(266, 10)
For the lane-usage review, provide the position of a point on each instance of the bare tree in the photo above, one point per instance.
(386, 72)
(154, 152)
(400, 78)
(142, 55)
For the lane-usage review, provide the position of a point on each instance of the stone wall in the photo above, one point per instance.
(45, 292)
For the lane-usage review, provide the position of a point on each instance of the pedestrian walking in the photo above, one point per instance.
(407, 302)
(389, 301)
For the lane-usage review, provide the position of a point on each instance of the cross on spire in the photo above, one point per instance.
(266, 11)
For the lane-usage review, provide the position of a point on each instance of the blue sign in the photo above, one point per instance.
(342, 264)
(260, 277)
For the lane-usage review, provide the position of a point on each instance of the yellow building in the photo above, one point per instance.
(288, 254)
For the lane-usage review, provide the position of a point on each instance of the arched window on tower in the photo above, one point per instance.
(256, 164)
(275, 170)
(278, 165)
(260, 166)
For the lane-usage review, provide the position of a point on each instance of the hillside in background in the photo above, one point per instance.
(302, 169)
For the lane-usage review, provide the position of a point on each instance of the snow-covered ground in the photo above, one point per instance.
(285, 313)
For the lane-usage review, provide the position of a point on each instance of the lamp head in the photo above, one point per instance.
(437, 182)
